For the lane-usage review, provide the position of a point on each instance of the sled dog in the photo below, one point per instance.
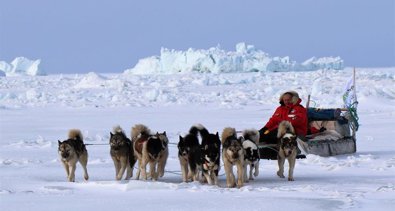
(211, 151)
(232, 154)
(251, 156)
(189, 155)
(121, 153)
(71, 151)
(147, 148)
(164, 154)
(287, 149)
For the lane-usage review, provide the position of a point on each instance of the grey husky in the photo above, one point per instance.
(287, 149)
(232, 154)
(71, 151)
(121, 153)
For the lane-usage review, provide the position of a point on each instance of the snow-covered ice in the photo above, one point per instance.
(36, 112)
(246, 58)
(21, 66)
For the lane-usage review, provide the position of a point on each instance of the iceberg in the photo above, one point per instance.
(21, 66)
(245, 58)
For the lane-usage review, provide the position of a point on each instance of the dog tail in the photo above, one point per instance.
(117, 129)
(75, 134)
(199, 128)
(228, 132)
(139, 129)
(252, 135)
(285, 127)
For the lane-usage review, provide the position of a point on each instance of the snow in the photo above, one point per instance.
(21, 66)
(36, 112)
(246, 58)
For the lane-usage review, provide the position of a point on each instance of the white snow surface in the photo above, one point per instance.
(36, 112)
(21, 66)
(246, 58)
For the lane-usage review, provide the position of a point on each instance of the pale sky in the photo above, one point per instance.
(80, 36)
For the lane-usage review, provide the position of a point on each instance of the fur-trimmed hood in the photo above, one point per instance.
(295, 97)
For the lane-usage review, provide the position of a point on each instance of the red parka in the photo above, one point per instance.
(296, 114)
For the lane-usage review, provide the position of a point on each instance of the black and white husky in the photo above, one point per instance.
(251, 156)
(287, 149)
(190, 155)
(211, 151)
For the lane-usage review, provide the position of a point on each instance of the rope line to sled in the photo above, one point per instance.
(95, 144)
(167, 171)
(109, 144)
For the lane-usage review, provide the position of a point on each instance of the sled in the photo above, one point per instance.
(339, 136)
(337, 139)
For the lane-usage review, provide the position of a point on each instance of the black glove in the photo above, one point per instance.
(322, 129)
(263, 131)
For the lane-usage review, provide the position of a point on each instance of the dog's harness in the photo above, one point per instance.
(139, 143)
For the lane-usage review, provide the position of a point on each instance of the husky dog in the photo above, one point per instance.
(71, 151)
(121, 153)
(251, 157)
(232, 154)
(148, 149)
(164, 154)
(189, 154)
(287, 149)
(210, 151)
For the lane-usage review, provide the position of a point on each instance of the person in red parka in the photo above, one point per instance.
(290, 110)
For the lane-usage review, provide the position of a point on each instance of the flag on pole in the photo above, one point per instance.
(349, 96)
(351, 102)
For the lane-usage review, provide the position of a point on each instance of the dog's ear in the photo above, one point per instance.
(59, 143)
(240, 139)
(111, 135)
(217, 134)
(181, 139)
(164, 132)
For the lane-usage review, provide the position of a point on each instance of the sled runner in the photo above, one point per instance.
(335, 129)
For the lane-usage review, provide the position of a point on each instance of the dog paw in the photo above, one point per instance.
(281, 175)
(291, 179)
(231, 185)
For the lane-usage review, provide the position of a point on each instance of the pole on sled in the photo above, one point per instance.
(308, 101)
(355, 97)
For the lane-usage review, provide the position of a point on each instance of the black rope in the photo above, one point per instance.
(95, 144)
